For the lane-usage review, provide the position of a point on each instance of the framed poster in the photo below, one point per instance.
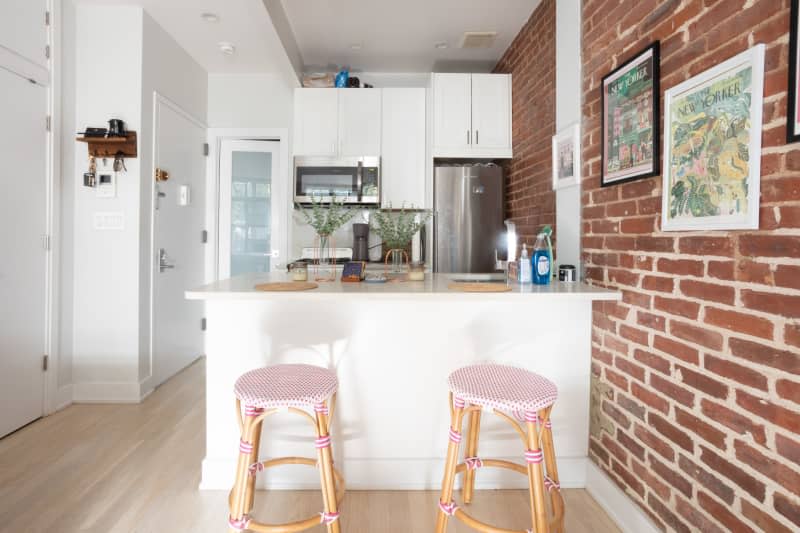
(566, 157)
(793, 111)
(712, 147)
(630, 119)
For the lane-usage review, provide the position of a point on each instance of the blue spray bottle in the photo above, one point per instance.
(542, 261)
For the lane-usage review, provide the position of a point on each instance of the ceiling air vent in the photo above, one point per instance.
(478, 39)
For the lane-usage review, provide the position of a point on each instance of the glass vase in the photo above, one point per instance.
(324, 251)
(396, 259)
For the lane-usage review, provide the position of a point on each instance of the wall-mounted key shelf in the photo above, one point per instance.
(111, 146)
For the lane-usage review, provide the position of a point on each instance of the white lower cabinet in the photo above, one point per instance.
(403, 143)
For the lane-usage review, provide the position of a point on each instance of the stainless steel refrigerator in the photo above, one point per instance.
(468, 221)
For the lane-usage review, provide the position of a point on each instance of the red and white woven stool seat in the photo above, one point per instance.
(502, 387)
(286, 386)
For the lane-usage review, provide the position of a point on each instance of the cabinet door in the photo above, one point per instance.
(452, 128)
(315, 121)
(359, 122)
(491, 114)
(403, 148)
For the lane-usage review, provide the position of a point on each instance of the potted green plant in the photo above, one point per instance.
(396, 228)
(325, 218)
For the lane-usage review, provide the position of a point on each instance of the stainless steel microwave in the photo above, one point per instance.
(351, 180)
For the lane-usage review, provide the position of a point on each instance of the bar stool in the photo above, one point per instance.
(510, 393)
(297, 389)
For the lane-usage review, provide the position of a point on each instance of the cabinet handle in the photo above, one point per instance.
(476, 137)
(468, 137)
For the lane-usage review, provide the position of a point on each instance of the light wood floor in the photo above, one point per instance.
(126, 468)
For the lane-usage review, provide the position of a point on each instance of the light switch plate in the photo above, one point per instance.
(112, 220)
(184, 195)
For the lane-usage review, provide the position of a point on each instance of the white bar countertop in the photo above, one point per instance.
(435, 285)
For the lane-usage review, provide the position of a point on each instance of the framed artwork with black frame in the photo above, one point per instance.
(630, 119)
(793, 112)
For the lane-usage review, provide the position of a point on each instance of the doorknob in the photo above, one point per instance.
(163, 261)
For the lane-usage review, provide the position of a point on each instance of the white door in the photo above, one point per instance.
(491, 113)
(316, 122)
(452, 114)
(23, 201)
(252, 207)
(403, 148)
(359, 122)
(23, 29)
(178, 249)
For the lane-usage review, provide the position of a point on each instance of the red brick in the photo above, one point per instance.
(676, 349)
(783, 189)
(750, 484)
(621, 209)
(791, 334)
(762, 519)
(708, 291)
(651, 399)
(740, 322)
(653, 482)
(721, 513)
(707, 479)
(736, 372)
(624, 277)
(654, 442)
(652, 360)
(787, 507)
(633, 334)
(721, 269)
(617, 379)
(786, 418)
(655, 244)
(658, 283)
(680, 267)
(667, 515)
(766, 466)
(739, 424)
(671, 476)
(639, 225)
(695, 517)
(787, 447)
(599, 452)
(630, 444)
(677, 306)
(752, 272)
(788, 390)
(706, 246)
(614, 449)
(649, 320)
(630, 480)
(670, 431)
(629, 368)
(788, 276)
(636, 298)
(698, 427)
(672, 390)
(769, 302)
(759, 245)
(704, 337)
(618, 416)
(786, 360)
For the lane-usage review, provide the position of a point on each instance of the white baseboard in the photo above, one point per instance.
(386, 474)
(64, 396)
(622, 510)
(123, 392)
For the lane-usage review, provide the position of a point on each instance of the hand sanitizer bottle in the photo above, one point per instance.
(524, 271)
(541, 261)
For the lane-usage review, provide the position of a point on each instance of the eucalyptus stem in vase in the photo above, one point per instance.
(325, 218)
(396, 228)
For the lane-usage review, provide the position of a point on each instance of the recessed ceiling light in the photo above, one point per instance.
(209, 17)
(227, 48)
(440, 45)
(356, 46)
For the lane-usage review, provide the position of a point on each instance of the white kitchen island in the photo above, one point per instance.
(392, 346)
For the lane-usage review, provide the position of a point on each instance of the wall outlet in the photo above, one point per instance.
(109, 221)
(106, 184)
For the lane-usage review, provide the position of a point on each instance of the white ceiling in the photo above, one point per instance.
(245, 23)
(399, 35)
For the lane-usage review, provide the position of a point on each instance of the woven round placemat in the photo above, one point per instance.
(479, 287)
(286, 286)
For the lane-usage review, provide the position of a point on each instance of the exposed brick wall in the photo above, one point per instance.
(531, 59)
(698, 368)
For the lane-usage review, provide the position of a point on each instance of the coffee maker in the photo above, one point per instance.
(360, 242)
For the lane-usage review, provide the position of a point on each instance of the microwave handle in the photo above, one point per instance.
(359, 179)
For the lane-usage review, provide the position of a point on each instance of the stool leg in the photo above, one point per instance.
(325, 458)
(534, 457)
(251, 478)
(446, 497)
(473, 433)
(552, 469)
(238, 499)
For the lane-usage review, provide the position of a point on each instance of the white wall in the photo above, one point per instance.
(169, 70)
(106, 262)
(250, 101)
(568, 111)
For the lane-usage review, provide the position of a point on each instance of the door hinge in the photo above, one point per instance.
(206, 149)
(46, 242)
(203, 324)
(48, 122)
(204, 236)
(46, 18)
(45, 362)
(47, 51)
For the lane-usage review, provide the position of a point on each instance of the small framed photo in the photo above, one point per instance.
(630, 119)
(712, 147)
(566, 157)
(793, 111)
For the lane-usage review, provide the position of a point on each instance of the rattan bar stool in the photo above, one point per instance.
(264, 392)
(520, 398)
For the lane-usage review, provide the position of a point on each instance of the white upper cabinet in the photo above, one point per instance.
(337, 122)
(452, 102)
(491, 112)
(359, 122)
(316, 122)
(23, 29)
(403, 148)
(472, 115)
